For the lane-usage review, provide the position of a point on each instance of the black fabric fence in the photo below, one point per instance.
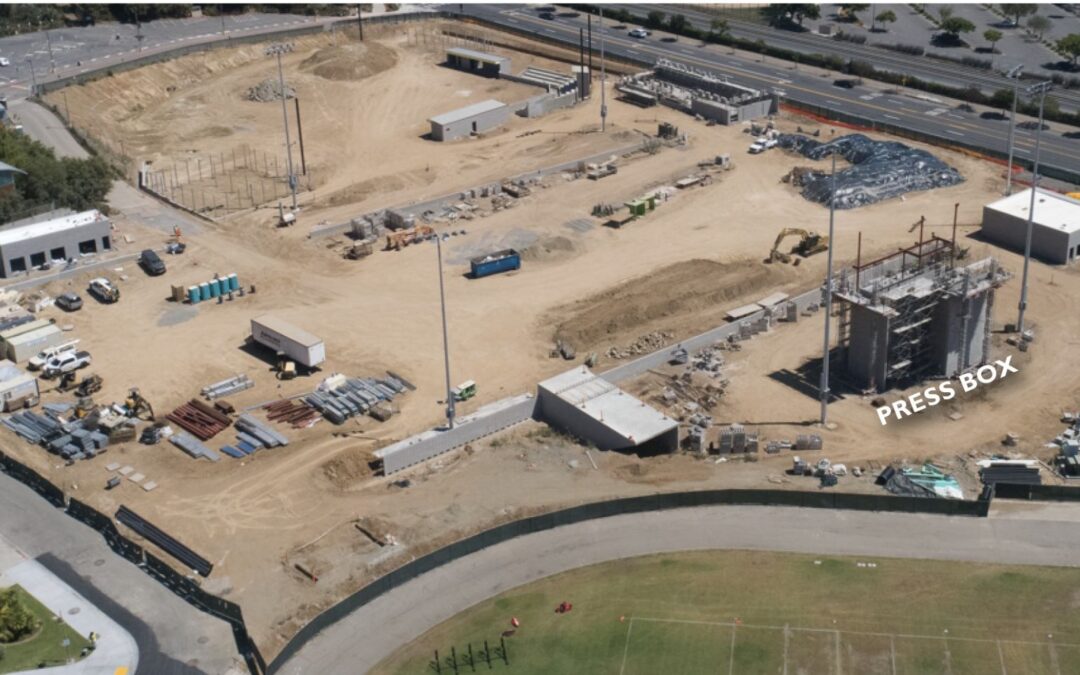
(151, 564)
(629, 505)
(1049, 493)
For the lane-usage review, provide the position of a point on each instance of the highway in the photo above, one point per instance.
(1039, 535)
(908, 109)
(922, 67)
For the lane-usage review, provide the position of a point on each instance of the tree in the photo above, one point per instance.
(778, 14)
(945, 13)
(16, 619)
(677, 23)
(1040, 24)
(992, 36)
(888, 16)
(1070, 46)
(1018, 11)
(1002, 98)
(655, 19)
(720, 28)
(850, 11)
(954, 25)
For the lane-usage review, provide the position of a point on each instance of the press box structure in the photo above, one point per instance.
(590, 408)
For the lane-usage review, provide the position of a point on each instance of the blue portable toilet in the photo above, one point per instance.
(234, 282)
(193, 294)
(204, 289)
(215, 288)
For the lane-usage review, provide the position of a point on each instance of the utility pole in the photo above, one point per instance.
(52, 61)
(300, 135)
(360, 23)
(1014, 73)
(445, 338)
(33, 77)
(277, 50)
(1041, 88)
(589, 16)
(603, 77)
(828, 297)
(581, 64)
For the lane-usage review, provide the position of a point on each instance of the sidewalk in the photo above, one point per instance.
(116, 652)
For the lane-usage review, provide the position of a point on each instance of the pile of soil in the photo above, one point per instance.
(350, 62)
(550, 249)
(685, 297)
(269, 90)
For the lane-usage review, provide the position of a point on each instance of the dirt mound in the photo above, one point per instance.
(550, 249)
(350, 62)
(686, 297)
(347, 467)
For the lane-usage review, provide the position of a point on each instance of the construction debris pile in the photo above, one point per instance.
(646, 344)
(339, 397)
(71, 437)
(928, 481)
(269, 90)
(880, 170)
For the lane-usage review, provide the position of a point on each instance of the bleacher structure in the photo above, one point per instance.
(915, 314)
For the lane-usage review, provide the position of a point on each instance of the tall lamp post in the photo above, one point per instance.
(278, 50)
(603, 76)
(1013, 73)
(1041, 88)
(828, 297)
(445, 338)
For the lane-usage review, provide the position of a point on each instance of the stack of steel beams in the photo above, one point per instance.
(164, 541)
(355, 396)
(200, 419)
(227, 387)
(299, 415)
(73, 440)
(193, 447)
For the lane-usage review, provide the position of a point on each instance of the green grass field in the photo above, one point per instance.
(741, 612)
(45, 646)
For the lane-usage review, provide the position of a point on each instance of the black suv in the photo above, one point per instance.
(150, 262)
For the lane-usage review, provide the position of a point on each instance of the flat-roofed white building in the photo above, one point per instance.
(1055, 231)
(25, 245)
(473, 119)
(594, 410)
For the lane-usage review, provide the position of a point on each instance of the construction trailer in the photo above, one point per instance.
(54, 237)
(473, 119)
(595, 411)
(18, 388)
(284, 338)
(1055, 230)
(26, 340)
(480, 63)
(915, 314)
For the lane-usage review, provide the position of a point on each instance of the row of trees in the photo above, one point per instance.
(78, 184)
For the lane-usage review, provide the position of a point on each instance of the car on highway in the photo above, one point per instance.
(638, 33)
(550, 16)
(4, 62)
(846, 83)
(69, 302)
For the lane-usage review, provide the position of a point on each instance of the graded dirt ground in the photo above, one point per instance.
(753, 612)
(675, 270)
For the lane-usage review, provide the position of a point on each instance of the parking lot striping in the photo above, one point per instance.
(954, 133)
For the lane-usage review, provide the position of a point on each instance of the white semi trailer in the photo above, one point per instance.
(284, 338)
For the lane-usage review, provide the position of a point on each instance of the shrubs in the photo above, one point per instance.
(16, 619)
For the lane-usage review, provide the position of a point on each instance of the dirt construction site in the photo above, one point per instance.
(612, 292)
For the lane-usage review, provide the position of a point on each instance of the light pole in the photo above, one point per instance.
(33, 77)
(1015, 74)
(445, 337)
(1041, 88)
(603, 77)
(278, 50)
(828, 296)
(52, 61)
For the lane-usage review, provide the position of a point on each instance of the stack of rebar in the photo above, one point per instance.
(200, 419)
(297, 414)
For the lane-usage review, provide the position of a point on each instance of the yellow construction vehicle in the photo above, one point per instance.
(137, 406)
(809, 244)
(1073, 195)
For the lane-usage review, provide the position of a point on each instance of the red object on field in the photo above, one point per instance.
(563, 607)
(514, 622)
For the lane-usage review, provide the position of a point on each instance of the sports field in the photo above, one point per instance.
(740, 612)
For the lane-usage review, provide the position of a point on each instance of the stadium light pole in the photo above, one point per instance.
(445, 337)
(277, 50)
(1013, 73)
(828, 297)
(603, 76)
(1041, 88)
(33, 77)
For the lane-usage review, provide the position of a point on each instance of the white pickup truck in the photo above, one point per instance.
(38, 362)
(761, 145)
(66, 363)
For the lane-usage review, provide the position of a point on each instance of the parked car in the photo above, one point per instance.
(69, 302)
(66, 363)
(550, 16)
(4, 62)
(761, 145)
(104, 290)
(38, 362)
(152, 263)
(638, 33)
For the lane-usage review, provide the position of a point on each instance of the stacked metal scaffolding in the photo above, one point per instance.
(915, 314)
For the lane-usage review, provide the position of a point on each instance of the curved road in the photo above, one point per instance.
(1025, 534)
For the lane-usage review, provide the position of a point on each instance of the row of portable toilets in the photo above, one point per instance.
(216, 287)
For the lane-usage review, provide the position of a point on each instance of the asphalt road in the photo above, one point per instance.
(911, 110)
(173, 637)
(409, 610)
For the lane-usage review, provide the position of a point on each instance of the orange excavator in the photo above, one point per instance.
(402, 238)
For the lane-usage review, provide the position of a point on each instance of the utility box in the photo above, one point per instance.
(18, 389)
(494, 263)
(283, 337)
